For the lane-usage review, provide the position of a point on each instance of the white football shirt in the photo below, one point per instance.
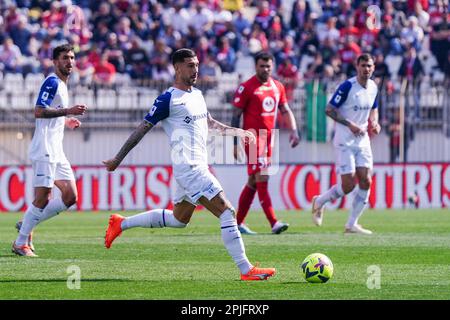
(47, 142)
(183, 115)
(355, 103)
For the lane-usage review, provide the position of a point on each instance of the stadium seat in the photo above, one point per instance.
(33, 81)
(22, 101)
(146, 98)
(106, 99)
(127, 98)
(84, 96)
(13, 82)
(4, 104)
(213, 100)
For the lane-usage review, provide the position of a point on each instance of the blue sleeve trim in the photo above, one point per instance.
(341, 94)
(375, 103)
(160, 109)
(47, 92)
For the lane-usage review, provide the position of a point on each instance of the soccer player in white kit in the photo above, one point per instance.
(50, 165)
(186, 121)
(353, 106)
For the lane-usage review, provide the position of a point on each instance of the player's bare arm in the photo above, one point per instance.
(131, 142)
(334, 114)
(373, 118)
(287, 114)
(42, 112)
(225, 130)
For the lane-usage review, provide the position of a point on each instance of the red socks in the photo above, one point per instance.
(266, 202)
(245, 201)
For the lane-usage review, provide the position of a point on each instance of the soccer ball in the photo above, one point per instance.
(317, 268)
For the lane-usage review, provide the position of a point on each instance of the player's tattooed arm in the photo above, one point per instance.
(42, 112)
(334, 114)
(131, 142)
(225, 130)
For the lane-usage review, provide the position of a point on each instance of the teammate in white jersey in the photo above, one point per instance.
(50, 165)
(353, 106)
(185, 119)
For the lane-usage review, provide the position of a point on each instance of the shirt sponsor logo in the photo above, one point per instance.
(268, 104)
(356, 108)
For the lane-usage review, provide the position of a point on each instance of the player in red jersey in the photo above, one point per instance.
(259, 99)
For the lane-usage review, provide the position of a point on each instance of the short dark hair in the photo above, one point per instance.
(62, 48)
(364, 57)
(263, 55)
(181, 54)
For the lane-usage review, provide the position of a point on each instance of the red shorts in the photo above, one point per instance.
(262, 164)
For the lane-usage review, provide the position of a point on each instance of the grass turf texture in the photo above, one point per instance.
(411, 248)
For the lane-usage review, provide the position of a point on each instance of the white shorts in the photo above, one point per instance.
(349, 158)
(194, 185)
(45, 173)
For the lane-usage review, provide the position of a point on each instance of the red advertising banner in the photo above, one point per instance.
(292, 188)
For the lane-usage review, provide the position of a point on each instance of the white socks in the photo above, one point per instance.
(54, 207)
(30, 220)
(33, 216)
(158, 218)
(233, 242)
(359, 204)
(332, 194)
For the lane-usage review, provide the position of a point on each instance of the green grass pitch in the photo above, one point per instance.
(411, 248)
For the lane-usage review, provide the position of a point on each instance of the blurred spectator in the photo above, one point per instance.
(316, 68)
(161, 53)
(100, 34)
(84, 69)
(21, 36)
(75, 22)
(163, 71)
(209, 73)
(389, 37)
(264, 15)
(394, 131)
(257, 40)
(287, 72)
(137, 61)
(422, 16)
(202, 17)
(115, 53)
(226, 56)
(45, 57)
(348, 54)
(440, 36)
(12, 17)
(330, 31)
(124, 33)
(10, 57)
(104, 14)
(104, 72)
(242, 24)
(203, 49)
(177, 16)
(299, 14)
(53, 22)
(412, 34)
(171, 36)
(287, 51)
(411, 69)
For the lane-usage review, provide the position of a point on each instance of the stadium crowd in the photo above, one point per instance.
(136, 37)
